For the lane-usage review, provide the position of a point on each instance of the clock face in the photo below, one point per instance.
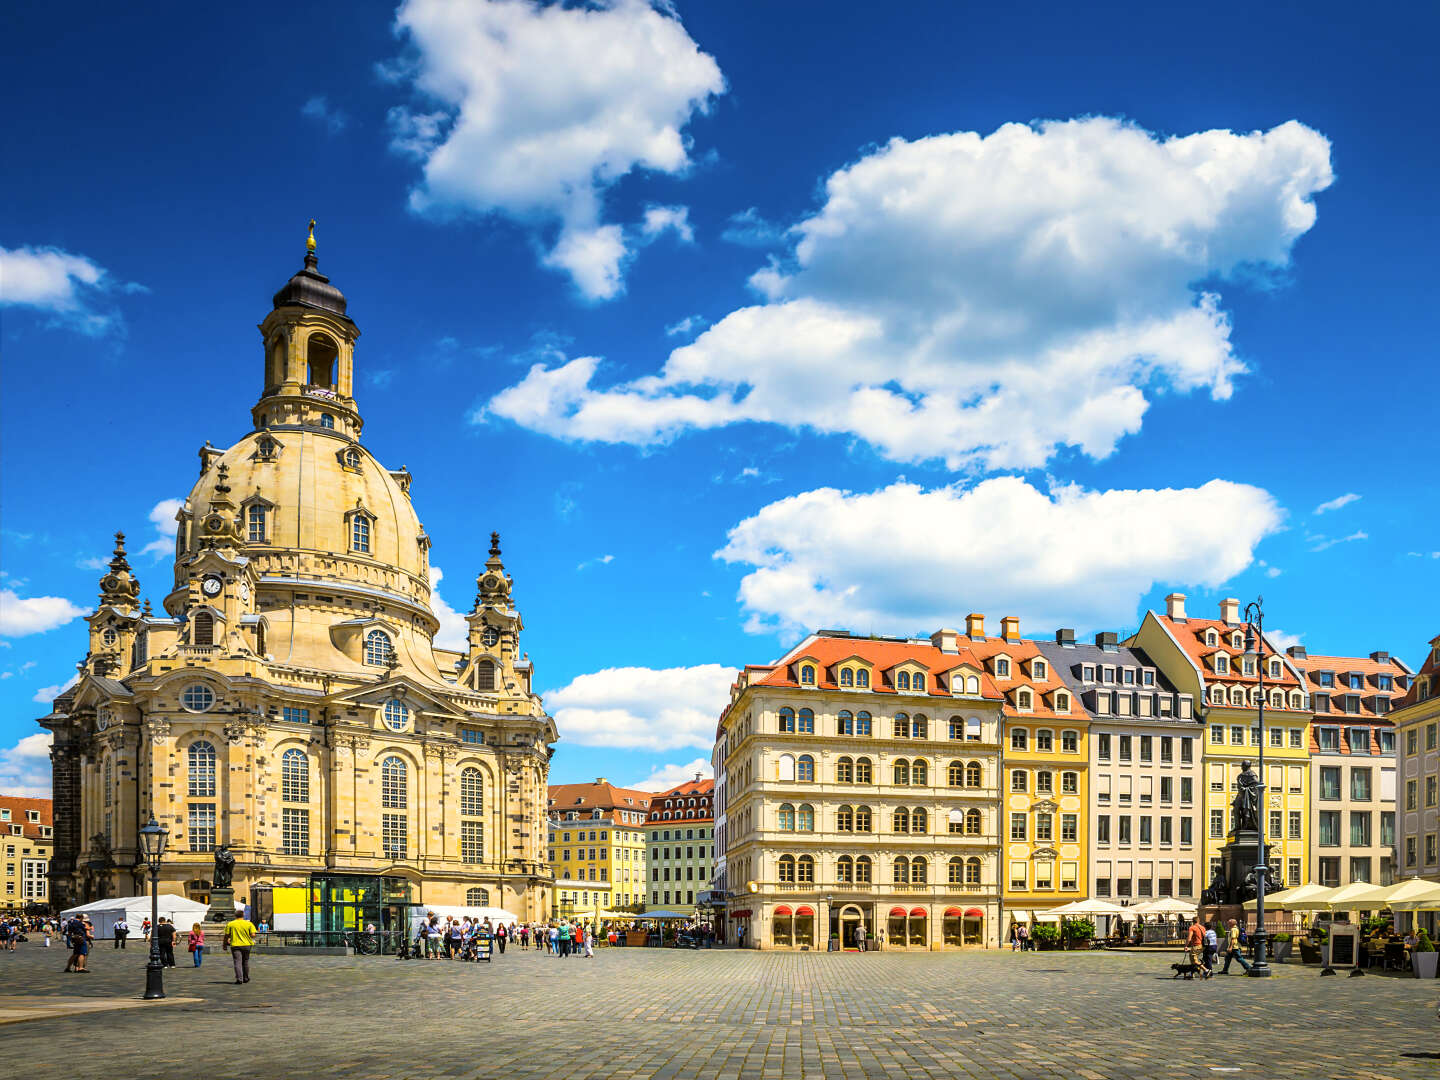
(211, 585)
(214, 523)
(490, 581)
(490, 637)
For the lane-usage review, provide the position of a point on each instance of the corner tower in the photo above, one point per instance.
(309, 355)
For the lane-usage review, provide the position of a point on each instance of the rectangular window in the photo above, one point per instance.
(1297, 738)
(1430, 849)
(1360, 868)
(255, 524)
(1044, 741)
(1297, 823)
(1167, 749)
(1102, 792)
(393, 839)
(1187, 832)
(359, 533)
(1102, 887)
(1292, 874)
(1044, 827)
(1167, 790)
(1237, 735)
(1360, 828)
(1430, 791)
(1277, 737)
(1410, 851)
(1329, 828)
(1044, 782)
(1019, 876)
(1044, 874)
(1102, 747)
(1146, 829)
(1017, 826)
(1329, 872)
(1358, 739)
(1217, 733)
(1167, 830)
(1328, 739)
(1297, 779)
(1147, 747)
(1330, 782)
(473, 736)
(1019, 780)
(1217, 824)
(295, 831)
(1387, 828)
(1125, 747)
(1124, 823)
(1102, 829)
(1126, 782)
(472, 841)
(201, 827)
(1187, 791)
(1069, 742)
(1147, 790)
(1275, 823)
(1360, 785)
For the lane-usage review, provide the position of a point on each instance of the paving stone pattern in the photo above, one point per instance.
(635, 1014)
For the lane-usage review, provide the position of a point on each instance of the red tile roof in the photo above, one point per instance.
(1342, 665)
(1190, 633)
(18, 807)
(598, 795)
(703, 791)
(1431, 670)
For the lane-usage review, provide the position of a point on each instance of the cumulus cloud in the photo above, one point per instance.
(639, 708)
(73, 289)
(658, 219)
(454, 632)
(535, 110)
(320, 110)
(47, 694)
(22, 615)
(665, 777)
(1336, 503)
(25, 767)
(981, 300)
(167, 527)
(1282, 640)
(904, 559)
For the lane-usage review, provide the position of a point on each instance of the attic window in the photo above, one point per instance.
(862, 677)
(1002, 668)
(807, 675)
(847, 677)
(1211, 638)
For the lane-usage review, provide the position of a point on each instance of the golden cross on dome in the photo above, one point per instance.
(310, 240)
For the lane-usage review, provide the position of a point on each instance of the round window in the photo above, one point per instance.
(490, 637)
(198, 697)
(109, 636)
(397, 714)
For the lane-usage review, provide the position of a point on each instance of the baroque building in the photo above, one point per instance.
(680, 845)
(27, 834)
(860, 781)
(291, 702)
(597, 847)
(1417, 734)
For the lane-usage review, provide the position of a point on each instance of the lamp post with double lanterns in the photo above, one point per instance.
(152, 846)
(1255, 654)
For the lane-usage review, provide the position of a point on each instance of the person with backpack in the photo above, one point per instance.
(1233, 941)
(78, 937)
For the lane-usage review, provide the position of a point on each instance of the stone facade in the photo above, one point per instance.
(680, 846)
(1417, 737)
(596, 849)
(291, 701)
(27, 838)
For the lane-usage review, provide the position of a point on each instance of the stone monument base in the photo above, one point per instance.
(221, 909)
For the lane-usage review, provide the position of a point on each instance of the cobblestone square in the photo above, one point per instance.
(641, 1013)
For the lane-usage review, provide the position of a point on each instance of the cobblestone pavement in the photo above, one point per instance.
(635, 1014)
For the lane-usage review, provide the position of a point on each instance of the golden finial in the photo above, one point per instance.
(310, 240)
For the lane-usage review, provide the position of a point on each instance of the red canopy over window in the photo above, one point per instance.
(900, 911)
(920, 911)
(783, 909)
(974, 913)
(804, 911)
(952, 913)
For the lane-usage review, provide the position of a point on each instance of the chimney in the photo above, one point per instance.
(1230, 611)
(601, 780)
(1010, 628)
(1108, 640)
(1380, 657)
(975, 626)
(1065, 637)
(947, 641)
(1297, 652)
(1175, 606)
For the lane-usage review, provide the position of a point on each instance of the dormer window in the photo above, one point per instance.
(1002, 668)
(378, 648)
(1222, 664)
(902, 680)
(359, 530)
(350, 458)
(1087, 673)
(266, 449)
(807, 675)
(1023, 699)
(862, 678)
(1275, 669)
(1062, 702)
(255, 522)
(1236, 641)
(917, 681)
(1038, 670)
(847, 676)
(1212, 638)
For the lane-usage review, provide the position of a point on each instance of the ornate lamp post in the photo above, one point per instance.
(1254, 652)
(152, 846)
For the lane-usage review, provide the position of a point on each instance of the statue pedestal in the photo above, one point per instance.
(222, 907)
(1238, 859)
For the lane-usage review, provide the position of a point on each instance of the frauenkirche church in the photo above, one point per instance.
(292, 702)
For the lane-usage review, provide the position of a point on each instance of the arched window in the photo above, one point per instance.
(1217, 695)
(806, 723)
(955, 774)
(862, 724)
(918, 870)
(917, 681)
(900, 820)
(955, 871)
(1062, 702)
(393, 783)
(863, 771)
(202, 770)
(919, 773)
(919, 728)
(805, 869)
(862, 870)
(900, 772)
(202, 629)
(351, 457)
(845, 819)
(109, 780)
(972, 822)
(265, 447)
(805, 769)
(805, 818)
(1022, 699)
(807, 675)
(1002, 668)
(973, 774)
(294, 776)
(902, 680)
(326, 420)
(787, 720)
(862, 819)
(972, 684)
(784, 768)
(397, 714)
(919, 820)
(972, 871)
(1211, 638)
(786, 817)
(862, 678)
(901, 870)
(786, 868)
(485, 675)
(360, 532)
(472, 792)
(477, 897)
(255, 524)
(320, 354)
(847, 677)
(378, 648)
(845, 869)
(901, 729)
(845, 723)
(844, 771)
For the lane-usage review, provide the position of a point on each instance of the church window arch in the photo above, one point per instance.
(202, 628)
(294, 776)
(200, 778)
(394, 783)
(378, 648)
(805, 768)
(485, 675)
(255, 523)
(472, 804)
(972, 822)
(477, 897)
(321, 355)
(358, 524)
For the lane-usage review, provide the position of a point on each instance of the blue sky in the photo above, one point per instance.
(743, 318)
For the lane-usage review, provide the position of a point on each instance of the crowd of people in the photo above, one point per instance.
(469, 939)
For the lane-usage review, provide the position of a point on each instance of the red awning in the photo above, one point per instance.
(974, 913)
(782, 909)
(804, 911)
(920, 911)
(952, 913)
(897, 911)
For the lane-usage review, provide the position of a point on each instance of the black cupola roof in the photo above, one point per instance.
(309, 287)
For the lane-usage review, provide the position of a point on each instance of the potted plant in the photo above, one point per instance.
(1045, 935)
(1283, 943)
(1423, 957)
(1310, 949)
(1079, 932)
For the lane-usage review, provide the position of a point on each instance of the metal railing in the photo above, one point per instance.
(361, 942)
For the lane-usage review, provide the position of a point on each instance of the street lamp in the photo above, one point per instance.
(152, 846)
(1254, 654)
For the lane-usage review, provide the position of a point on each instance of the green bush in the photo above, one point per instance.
(1318, 934)
(1424, 944)
(1374, 925)
(1045, 935)
(1281, 936)
(1079, 929)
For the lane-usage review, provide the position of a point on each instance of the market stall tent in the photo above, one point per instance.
(104, 914)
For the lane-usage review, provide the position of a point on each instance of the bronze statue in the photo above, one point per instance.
(224, 868)
(1247, 800)
(1219, 890)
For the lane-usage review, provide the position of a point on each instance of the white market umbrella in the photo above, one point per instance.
(1163, 905)
(1414, 894)
(1357, 896)
(1089, 907)
(1301, 898)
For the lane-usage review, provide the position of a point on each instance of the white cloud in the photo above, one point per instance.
(47, 694)
(454, 632)
(22, 615)
(167, 526)
(95, 562)
(320, 110)
(1282, 640)
(665, 777)
(25, 767)
(659, 218)
(603, 560)
(981, 300)
(643, 708)
(686, 326)
(1336, 503)
(535, 110)
(903, 559)
(66, 285)
(749, 229)
(1323, 543)
(1421, 554)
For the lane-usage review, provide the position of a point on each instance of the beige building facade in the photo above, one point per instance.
(861, 791)
(291, 702)
(1417, 739)
(27, 839)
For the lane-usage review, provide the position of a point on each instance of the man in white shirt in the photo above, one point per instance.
(121, 930)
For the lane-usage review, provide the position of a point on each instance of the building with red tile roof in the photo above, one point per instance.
(596, 834)
(28, 832)
(680, 847)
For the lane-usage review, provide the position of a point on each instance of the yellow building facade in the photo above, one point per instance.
(596, 847)
(1417, 751)
(291, 702)
(26, 843)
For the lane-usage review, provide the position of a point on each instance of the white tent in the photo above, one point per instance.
(104, 914)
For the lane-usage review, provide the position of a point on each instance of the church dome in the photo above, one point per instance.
(312, 289)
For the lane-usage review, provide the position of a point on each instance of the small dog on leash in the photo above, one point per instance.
(1185, 969)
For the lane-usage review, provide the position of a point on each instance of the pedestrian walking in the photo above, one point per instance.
(1195, 948)
(121, 930)
(165, 932)
(239, 937)
(78, 936)
(196, 943)
(1212, 948)
(589, 942)
(501, 935)
(1232, 948)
